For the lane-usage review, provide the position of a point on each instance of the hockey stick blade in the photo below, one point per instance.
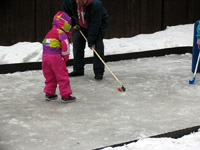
(122, 89)
(192, 81)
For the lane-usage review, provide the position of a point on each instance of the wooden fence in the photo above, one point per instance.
(30, 20)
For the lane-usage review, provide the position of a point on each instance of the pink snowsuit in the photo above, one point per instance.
(56, 50)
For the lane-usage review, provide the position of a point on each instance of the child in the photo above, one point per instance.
(56, 50)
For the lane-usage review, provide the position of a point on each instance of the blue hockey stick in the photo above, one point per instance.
(197, 64)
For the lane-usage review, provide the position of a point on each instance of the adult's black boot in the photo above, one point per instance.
(75, 73)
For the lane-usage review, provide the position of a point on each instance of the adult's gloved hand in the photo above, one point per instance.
(92, 47)
(76, 27)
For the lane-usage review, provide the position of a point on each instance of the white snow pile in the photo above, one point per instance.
(187, 142)
(175, 36)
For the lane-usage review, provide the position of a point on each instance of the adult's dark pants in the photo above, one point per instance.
(79, 44)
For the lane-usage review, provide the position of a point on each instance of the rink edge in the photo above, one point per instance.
(174, 134)
(20, 67)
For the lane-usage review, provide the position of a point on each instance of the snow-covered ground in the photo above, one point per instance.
(188, 142)
(175, 36)
(158, 100)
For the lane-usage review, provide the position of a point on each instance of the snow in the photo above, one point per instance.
(187, 142)
(158, 100)
(175, 36)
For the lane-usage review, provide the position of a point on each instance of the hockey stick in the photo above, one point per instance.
(197, 64)
(122, 89)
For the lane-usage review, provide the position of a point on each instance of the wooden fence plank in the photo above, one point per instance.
(45, 11)
(193, 11)
(151, 16)
(124, 17)
(17, 21)
(175, 12)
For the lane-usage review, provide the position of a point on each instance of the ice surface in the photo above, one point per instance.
(158, 100)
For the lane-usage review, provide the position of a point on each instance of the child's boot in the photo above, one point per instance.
(68, 99)
(49, 97)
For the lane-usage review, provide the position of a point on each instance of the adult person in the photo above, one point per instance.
(92, 19)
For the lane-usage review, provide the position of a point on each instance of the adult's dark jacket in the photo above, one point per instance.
(96, 17)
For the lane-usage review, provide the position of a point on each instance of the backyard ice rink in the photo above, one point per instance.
(158, 100)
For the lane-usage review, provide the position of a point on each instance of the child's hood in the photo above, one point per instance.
(62, 21)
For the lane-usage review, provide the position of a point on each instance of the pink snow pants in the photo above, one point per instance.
(55, 72)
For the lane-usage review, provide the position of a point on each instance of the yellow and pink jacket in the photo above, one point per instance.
(56, 42)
